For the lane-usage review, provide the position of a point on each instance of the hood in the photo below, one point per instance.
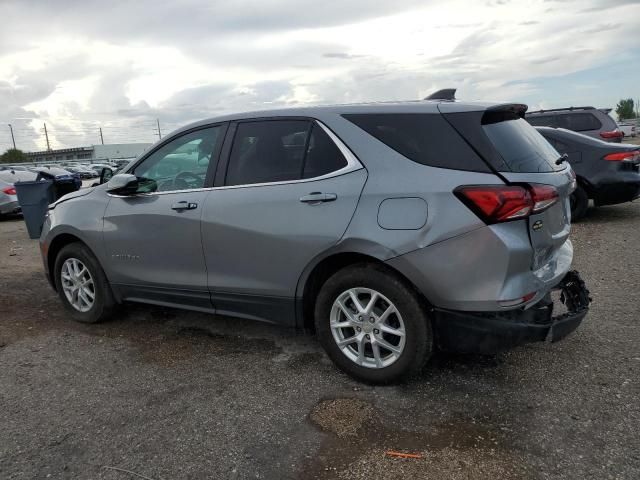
(70, 196)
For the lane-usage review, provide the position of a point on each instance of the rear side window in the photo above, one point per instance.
(579, 122)
(522, 147)
(424, 138)
(281, 150)
(323, 155)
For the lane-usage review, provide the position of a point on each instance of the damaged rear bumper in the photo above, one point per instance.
(492, 332)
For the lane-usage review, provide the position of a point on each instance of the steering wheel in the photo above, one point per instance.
(185, 180)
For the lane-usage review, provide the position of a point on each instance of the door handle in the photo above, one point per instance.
(318, 197)
(179, 206)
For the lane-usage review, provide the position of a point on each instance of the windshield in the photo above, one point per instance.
(523, 148)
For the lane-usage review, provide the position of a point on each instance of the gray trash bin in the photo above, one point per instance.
(34, 198)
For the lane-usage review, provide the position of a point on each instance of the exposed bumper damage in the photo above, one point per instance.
(492, 332)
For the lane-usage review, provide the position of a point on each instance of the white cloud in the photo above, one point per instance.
(83, 64)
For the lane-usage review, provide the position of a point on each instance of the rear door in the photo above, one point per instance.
(287, 192)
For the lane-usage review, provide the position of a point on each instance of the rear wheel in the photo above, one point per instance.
(82, 284)
(372, 324)
(579, 203)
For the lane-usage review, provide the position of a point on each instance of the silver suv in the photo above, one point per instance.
(391, 229)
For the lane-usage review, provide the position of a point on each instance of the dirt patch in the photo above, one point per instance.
(360, 437)
(306, 361)
(444, 464)
(343, 417)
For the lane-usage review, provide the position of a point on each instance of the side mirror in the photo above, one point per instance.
(121, 184)
(105, 175)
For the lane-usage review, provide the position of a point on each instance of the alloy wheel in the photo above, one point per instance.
(367, 327)
(77, 284)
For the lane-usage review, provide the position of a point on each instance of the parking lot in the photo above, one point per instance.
(167, 394)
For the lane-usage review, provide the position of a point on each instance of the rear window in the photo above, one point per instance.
(424, 138)
(522, 147)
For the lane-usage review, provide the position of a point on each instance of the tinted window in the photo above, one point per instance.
(541, 120)
(561, 147)
(522, 147)
(323, 155)
(579, 122)
(182, 163)
(424, 138)
(267, 151)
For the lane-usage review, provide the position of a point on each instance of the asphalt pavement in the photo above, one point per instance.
(166, 394)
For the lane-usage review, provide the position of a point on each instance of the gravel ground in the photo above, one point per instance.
(173, 395)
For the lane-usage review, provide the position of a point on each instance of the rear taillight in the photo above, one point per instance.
(622, 156)
(543, 197)
(9, 190)
(503, 203)
(612, 134)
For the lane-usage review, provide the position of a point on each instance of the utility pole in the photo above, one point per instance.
(46, 135)
(12, 138)
(101, 138)
(159, 132)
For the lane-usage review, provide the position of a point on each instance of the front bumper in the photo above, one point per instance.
(492, 332)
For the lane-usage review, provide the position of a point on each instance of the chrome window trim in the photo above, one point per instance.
(352, 165)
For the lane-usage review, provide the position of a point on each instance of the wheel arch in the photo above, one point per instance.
(319, 272)
(586, 185)
(58, 243)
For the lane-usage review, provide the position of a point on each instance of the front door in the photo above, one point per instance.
(152, 239)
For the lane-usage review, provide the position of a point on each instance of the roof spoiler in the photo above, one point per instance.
(502, 112)
(443, 94)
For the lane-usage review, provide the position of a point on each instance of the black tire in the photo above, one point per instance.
(418, 339)
(579, 203)
(104, 303)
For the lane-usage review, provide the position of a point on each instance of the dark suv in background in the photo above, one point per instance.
(590, 121)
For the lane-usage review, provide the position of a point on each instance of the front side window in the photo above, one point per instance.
(281, 150)
(182, 163)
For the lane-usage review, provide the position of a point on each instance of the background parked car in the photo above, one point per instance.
(628, 128)
(606, 173)
(97, 167)
(60, 176)
(8, 198)
(84, 172)
(17, 168)
(589, 121)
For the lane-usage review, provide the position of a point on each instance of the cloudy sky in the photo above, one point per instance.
(79, 65)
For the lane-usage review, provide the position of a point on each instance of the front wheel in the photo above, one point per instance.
(82, 284)
(372, 324)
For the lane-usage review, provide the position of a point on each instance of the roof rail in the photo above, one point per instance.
(443, 94)
(567, 109)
